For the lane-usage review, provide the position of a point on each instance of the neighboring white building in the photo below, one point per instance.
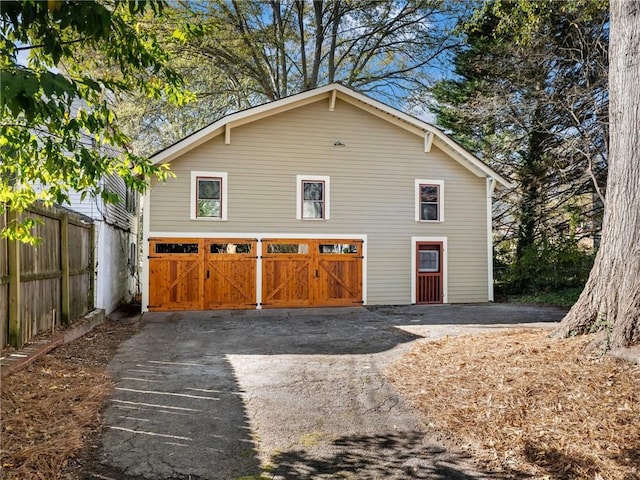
(116, 235)
(116, 243)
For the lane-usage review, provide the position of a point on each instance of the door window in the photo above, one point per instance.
(230, 248)
(338, 248)
(288, 248)
(176, 248)
(429, 261)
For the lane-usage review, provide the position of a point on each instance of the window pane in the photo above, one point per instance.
(313, 190)
(209, 189)
(429, 261)
(338, 248)
(230, 248)
(288, 248)
(176, 248)
(208, 208)
(312, 209)
(428, 211)
(428, 193)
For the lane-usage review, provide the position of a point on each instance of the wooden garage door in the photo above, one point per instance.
(286, 273)
(230, 274)
(338, 265)
(175, 274)
(302, 273)
(200, 274)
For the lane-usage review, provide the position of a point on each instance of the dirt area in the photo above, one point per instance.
(51, 411)
(524, 404)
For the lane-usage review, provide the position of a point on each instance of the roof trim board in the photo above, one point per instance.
(428, 141)
(431, 134)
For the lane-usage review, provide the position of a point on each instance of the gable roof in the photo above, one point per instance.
(331, 92)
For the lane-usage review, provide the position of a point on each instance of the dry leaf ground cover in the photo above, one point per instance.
(525, 404)
(51, 411)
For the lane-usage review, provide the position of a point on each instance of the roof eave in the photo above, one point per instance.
(219, 127)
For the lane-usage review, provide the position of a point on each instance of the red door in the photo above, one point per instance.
(429, 278)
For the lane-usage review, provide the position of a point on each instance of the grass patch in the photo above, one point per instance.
(560, 298)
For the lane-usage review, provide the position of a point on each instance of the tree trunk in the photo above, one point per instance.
(610, 302)
(281, 52)
(532, 177)
(335, 23)
(318, 13)
(299, 7)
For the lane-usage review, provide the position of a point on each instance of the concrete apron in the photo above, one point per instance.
(289, 393)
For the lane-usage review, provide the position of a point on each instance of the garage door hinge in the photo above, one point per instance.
(153, 306)
(361, 302)
(153, 257)
(252, 304)
(360, 257)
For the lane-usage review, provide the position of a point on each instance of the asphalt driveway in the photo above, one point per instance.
(292, 394)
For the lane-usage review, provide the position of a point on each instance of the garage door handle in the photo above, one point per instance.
(207, 274)
(317, 273)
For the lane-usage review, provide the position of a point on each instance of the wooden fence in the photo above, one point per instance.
(48, 284)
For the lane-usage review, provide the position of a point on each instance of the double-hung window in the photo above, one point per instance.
(313, 197)
(208, 195)
(429, 201)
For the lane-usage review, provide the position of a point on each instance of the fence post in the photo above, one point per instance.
(13, 251)
(92, 267)
(64, 266)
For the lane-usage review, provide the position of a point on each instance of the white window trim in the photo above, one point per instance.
(444, 266)
(440, 184)
(193, 203)
(327, 196)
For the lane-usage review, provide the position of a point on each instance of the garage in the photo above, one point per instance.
(243, 273)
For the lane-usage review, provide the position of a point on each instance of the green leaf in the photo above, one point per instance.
(179, 35)
(43, 134)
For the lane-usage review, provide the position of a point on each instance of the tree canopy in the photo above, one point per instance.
(58, 132)
(236, 55)
(530, 96)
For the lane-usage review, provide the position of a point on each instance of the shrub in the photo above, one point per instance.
(546, 266)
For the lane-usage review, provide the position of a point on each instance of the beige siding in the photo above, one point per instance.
(372, 192)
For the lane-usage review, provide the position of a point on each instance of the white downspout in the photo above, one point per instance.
(146, 222)
(491, 186)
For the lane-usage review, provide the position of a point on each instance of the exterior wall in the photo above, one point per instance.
(372, 182)
(116, 229)
(115, 282)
